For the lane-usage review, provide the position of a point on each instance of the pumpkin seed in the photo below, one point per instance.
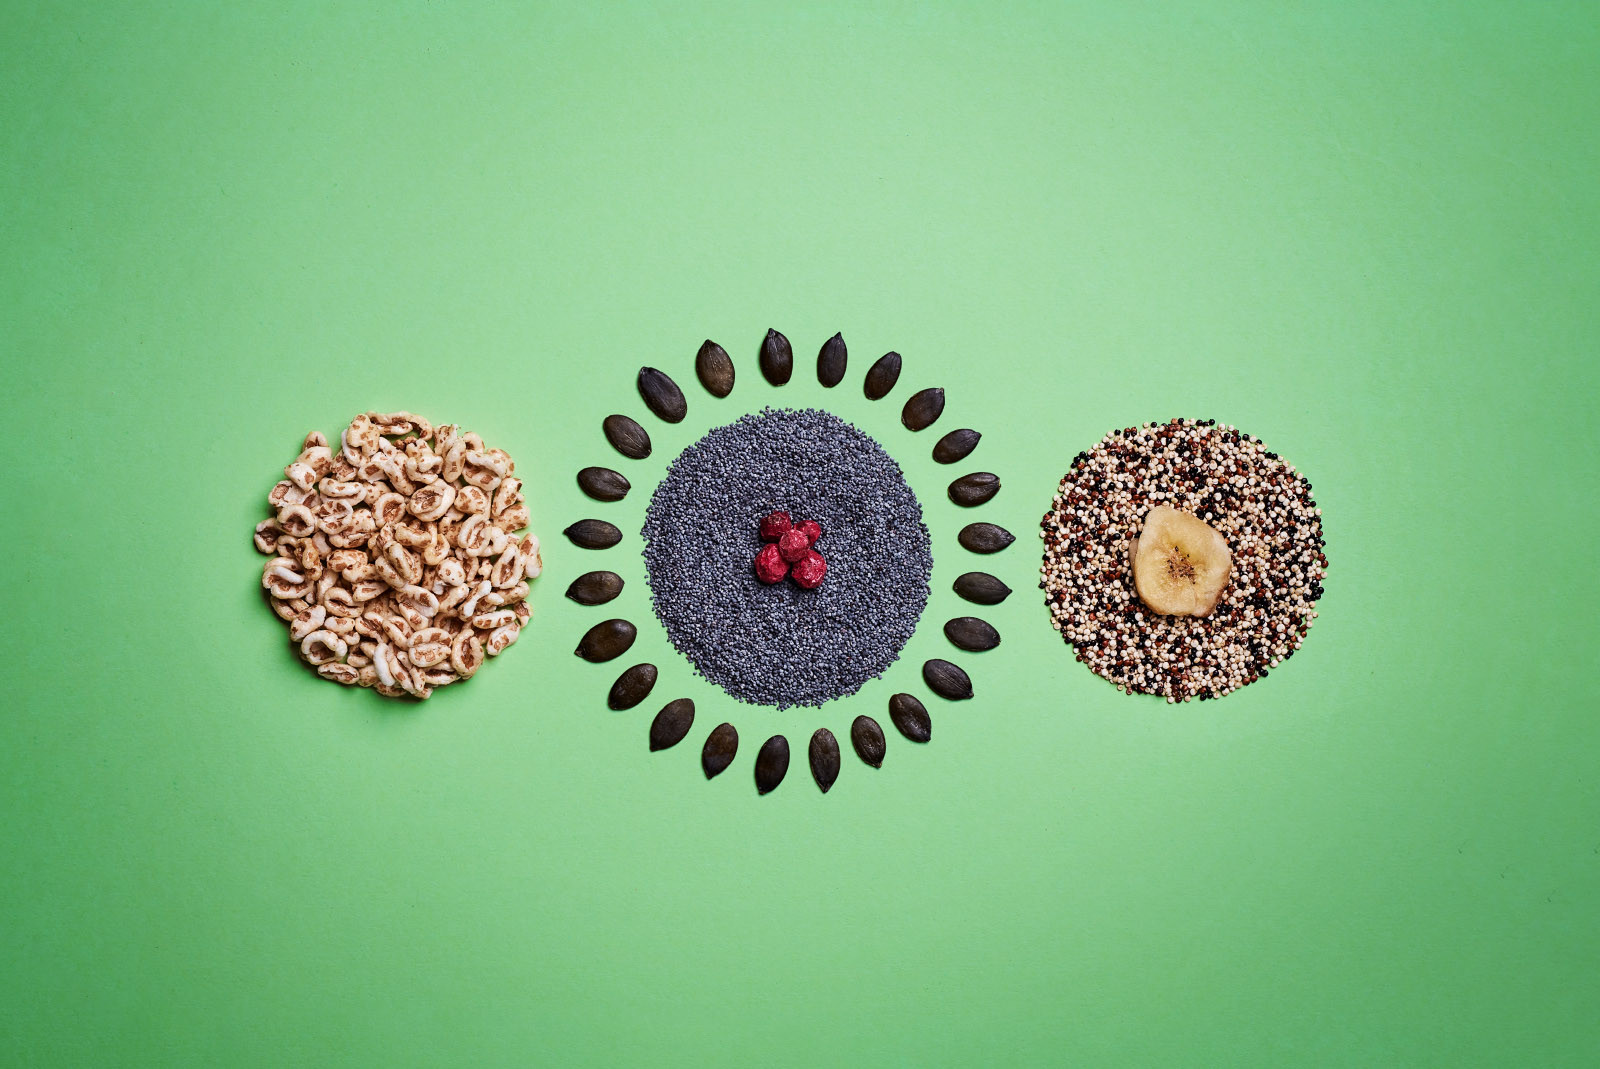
(824, 758)
(831, 361)
(777, 358)
(632, 687)
(974, 489)
(595, 588)
(626, 437)
(982, 588)
(882, 376)
(661, 395)
(911, 717)
(671, 724)
(867, 737)
(604, 484)
(772, 763)
(714, 369)
(606, 640)
(946, 680)
(923, 408)
(956, 445)
(717, 753)
(971, 633)
(985, 537)
(594, 534)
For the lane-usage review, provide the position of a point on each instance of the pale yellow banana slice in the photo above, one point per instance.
(1180, 563)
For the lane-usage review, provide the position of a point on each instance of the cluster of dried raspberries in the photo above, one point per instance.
(1251, 496)
(395, 560)
(789, 552)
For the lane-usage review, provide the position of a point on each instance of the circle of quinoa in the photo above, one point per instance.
(781, 645)
(1255, 499)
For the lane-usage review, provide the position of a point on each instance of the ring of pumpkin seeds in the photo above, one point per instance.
(611, 638)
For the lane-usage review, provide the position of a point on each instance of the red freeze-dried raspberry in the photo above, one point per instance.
(811, 529)
(773, 526)
(793, 545)
(809, 573)
(770, 567)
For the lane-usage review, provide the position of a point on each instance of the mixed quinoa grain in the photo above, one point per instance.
(1256, 500)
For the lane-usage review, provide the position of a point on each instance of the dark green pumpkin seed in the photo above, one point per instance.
(595, 588)
(604, 484)
(882, 376)
(671, 724)
(606, 640)
(946, 680)
(974, 489)
(824, 758)
(714, 368)
(832, 360)
(911, 717)
(971, 633)
(985, 537)
(772, 763)
(956, 445)
(982, 588)
(777, 358)
(867, 737)
(626, 437)
(721, 746)
(661, 395)
(594, 534)
(632, 687)
(923, 408)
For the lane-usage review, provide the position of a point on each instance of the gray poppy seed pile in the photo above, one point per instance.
(781, 645)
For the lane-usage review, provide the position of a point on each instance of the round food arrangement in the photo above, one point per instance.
(744, 591)
(1182, 559)
(395, 560)
(789, 560)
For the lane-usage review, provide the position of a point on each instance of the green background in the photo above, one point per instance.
(1365, 232)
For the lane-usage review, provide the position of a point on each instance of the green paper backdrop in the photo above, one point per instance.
(1365, 232)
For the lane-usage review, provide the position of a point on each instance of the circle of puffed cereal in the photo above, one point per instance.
(396, 559)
